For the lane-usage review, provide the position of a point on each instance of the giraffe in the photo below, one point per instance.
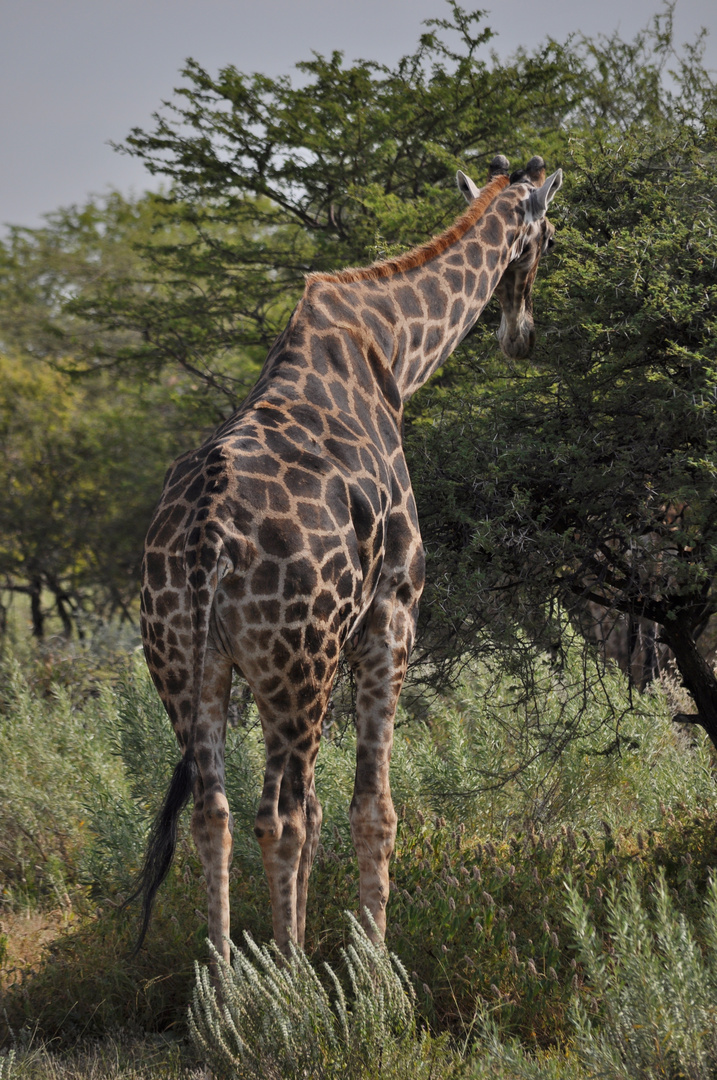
(292, 534)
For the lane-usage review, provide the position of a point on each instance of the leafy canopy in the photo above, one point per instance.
(587, 475)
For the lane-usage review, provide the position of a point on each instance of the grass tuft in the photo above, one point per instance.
(272, 1019)
(651, 1005)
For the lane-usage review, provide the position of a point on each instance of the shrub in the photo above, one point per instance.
(277, 1022)
(56, 757)
(648, 1007)
(651, 1010)
(477, 904)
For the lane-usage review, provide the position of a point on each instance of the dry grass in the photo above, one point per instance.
(24, 937)
(119, 1058)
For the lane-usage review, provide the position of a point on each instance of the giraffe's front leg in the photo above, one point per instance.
(287, 828)
(288, 821)
(379, 662)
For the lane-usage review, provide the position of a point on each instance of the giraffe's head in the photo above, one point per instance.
(533, 193)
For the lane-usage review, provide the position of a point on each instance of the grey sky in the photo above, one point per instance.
(75, 74)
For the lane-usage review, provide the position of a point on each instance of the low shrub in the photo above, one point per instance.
(647, 1008)
(650, 1007)
(57, 758)
(274, 1020)
(477, 908)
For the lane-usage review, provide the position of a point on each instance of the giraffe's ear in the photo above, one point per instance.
(537, 202)
(467, 187)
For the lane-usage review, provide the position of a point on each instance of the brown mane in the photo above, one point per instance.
(420, 255)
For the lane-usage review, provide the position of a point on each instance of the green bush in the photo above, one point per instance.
(58, 760)
(651, 1009)
(645, 1003)
(273, 1019)
(477, 904)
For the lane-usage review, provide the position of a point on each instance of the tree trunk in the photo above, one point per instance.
(697, 676)
(60, 602)
(38, 619)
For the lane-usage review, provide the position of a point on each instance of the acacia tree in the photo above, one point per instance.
(270, 181)
(591, 475)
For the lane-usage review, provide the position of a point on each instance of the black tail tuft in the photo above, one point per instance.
(162, 842)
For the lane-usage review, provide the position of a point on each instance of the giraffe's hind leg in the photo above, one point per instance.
(314, 815)
(287, 828)
(212, 823)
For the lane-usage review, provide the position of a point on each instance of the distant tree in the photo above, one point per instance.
(86, 435)
(80, 467)
(42, 270)
(84, 441)
(83, 254)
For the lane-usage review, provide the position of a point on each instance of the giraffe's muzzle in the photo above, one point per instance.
(516, 337)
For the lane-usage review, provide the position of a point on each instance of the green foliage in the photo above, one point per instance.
(82, 458)
(589, 477)
(653, 990)
(646, 1008)
(84, 446)
(80, 467)
(483, 920)
(60, 755)
(270, 180)
(42, 270)
(275, 1019)
(476, 861)
(512, 1061)
(490, 758)
(83, 254)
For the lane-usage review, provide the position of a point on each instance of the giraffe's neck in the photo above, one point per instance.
(415, 317)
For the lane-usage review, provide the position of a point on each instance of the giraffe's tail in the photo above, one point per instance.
(162, 842)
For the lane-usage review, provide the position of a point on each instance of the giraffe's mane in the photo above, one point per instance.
(422, 254)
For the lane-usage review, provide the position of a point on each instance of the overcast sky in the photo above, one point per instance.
(77, 74)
